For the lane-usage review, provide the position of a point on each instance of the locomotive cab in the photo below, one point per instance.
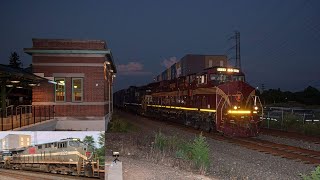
(219, 75)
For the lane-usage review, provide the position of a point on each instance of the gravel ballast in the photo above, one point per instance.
(228, 161)
(290, 142)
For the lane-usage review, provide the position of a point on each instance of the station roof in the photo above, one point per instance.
(9, 74)
(71, 46)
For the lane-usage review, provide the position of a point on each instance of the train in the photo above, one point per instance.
(67, 156)
(217, 98)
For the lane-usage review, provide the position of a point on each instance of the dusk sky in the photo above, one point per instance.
(279, 39)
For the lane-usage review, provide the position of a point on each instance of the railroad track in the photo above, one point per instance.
(19, 175)
(34, 175)
(284, 151)
(291, 135)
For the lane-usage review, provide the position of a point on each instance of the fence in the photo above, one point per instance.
(282, 119)
(24, 115)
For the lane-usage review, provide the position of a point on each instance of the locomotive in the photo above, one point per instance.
(67, 156)
(215, 99)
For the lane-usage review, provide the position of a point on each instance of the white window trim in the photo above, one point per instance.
(73, 97)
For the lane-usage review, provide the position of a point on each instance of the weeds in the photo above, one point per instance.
(311, 129)
(120, 125)
(196, 151)
(315, 175)
(160, 141)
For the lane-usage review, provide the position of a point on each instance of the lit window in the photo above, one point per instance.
(60, 89)
(77, 89)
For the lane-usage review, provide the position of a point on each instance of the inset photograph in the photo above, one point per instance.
(52, 155)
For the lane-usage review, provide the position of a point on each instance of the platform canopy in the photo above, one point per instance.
(11, 78)
(19, 78)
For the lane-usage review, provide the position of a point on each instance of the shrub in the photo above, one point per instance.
(315, 175)
(197, 151)
(292, 121)
(184, 151)
(200, 152)
(311, 129)
(160, 141)
(119, 125)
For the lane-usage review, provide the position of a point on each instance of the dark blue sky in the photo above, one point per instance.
(279, 39)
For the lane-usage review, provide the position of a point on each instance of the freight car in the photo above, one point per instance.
(67, 156)
(217, 98)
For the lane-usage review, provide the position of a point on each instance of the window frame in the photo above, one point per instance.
(73, 97)
(55, 89)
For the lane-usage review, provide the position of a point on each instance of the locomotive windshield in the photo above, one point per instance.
(74, 143)
(226, 77)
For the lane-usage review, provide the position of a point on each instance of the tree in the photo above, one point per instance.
(101, 151)
(101, 140)
(14, 60)
(90, 142)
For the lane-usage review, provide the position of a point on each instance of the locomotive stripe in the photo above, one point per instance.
(57, 153)
(183, 108)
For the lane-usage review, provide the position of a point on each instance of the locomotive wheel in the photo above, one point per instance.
(88, 171)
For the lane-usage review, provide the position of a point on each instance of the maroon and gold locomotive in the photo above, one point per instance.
(218, 98)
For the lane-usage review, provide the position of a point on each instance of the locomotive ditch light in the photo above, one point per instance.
(235, 107)
(255, 108)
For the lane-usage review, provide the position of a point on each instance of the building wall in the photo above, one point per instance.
(65, 58)
(12, 141)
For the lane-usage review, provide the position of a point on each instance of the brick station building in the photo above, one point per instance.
(81, 73)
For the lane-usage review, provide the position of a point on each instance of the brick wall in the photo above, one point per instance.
(95, 86)
(68, 44)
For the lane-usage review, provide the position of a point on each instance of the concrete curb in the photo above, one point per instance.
(114, 172)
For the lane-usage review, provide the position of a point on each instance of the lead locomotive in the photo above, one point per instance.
(216, 98)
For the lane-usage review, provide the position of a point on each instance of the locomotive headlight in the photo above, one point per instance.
(255, 108)
(235, 107)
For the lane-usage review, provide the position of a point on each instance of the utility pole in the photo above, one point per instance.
(237, 47)
(238, 57)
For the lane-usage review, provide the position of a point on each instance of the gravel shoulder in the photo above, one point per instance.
(228, 161)
(134, 169)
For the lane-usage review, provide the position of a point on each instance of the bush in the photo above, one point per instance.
(197, 151)
(311, 129)
(292, 121)
(315, 175)
(200, 152)
(160, 141)
(184, 151)
(119, 125)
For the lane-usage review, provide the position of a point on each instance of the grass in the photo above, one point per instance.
(119, 124)
(314, 175)
(294, 123)
(195, 152)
